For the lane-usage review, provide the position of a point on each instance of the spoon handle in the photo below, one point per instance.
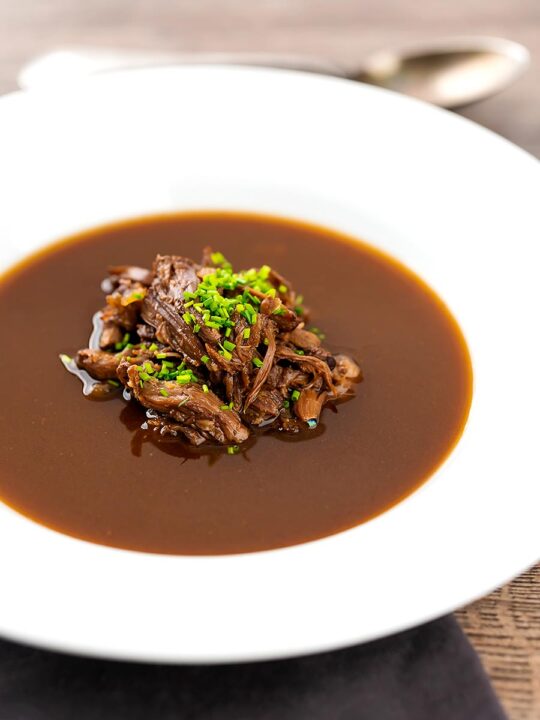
(73, 64)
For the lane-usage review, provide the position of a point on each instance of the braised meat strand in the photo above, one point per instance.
(212, 354)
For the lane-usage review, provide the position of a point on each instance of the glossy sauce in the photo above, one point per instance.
(85, 468)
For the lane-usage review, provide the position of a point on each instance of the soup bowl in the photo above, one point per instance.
(452, 201)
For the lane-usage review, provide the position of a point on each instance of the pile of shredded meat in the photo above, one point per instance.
(212, 354)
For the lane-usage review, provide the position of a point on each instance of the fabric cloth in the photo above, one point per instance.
(428, 673)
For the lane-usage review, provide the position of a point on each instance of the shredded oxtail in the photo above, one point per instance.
(213, 355)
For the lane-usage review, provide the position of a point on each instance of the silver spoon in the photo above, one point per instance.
(450, 72)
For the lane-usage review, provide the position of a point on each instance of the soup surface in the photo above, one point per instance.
(87, 468)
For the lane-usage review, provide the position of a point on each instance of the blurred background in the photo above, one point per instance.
(505, 627)
(343, 30)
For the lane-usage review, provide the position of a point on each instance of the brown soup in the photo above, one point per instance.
(86, 468)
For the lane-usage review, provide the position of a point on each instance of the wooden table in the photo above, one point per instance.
(504, 627)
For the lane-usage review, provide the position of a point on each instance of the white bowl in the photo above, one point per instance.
(451, 200)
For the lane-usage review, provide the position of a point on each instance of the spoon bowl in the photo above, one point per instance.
(451, 73)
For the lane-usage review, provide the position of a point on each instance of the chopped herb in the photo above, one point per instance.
(219, 259)
(246, 333)
(257, 362)
(233, 449)
(279, 311)
(196, 328)
(295, 395)
(228, 332)
(160, 356)
(266, 341)
(145, 376)
(205, 359)
(205, 388)
(163, 392)
(224, 407)
(286, 404)
(299, 352)
(114, 383)
(153, 347)
(282, 288)
(183, 402)
(187, 318)
(228, 345)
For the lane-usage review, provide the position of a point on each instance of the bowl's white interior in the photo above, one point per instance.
(454, 202)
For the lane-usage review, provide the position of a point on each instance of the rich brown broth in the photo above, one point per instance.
(85, 468)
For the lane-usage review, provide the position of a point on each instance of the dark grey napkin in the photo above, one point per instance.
(429, 673)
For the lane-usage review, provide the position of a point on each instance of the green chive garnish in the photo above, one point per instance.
(205, 359)
(163, 392)
(295, 395)
(257, 362)
(247, 333)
